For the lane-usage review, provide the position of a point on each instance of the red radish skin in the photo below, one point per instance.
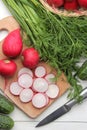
(26, 95)
(55, 3)
(12, 45)
(15, 89)
(30, 57)
(7, 67)
(83, 3)
(71, 5)
(25, 80)
(25, 70)
(50, 78)
(52, 91)
(40, 71)
(39, 100)
(40, 85)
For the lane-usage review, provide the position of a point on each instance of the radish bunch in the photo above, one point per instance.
(68, 4)
(35, 86)
(12, 47)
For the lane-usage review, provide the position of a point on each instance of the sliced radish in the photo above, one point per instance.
(15, 89)
(26, 95)
(47, 98)
(40, 85)
(25, 70)
(50, 78)
(40, 71)
(52, 91)
(39, 100)
(25, 80)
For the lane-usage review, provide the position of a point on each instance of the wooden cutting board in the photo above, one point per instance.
(10, 24)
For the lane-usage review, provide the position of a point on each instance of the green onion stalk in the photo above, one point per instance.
(60, 40)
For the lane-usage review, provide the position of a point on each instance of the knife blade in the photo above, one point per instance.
(62, 110)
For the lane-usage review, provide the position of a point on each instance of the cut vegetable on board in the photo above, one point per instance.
(19, 96)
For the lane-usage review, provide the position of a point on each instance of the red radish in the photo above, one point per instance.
(25, 80)
(12, 45)
(15, 89)
(40, 71)
(52, 91)
(26, 95)
(68, 0)
(7, 67)
(50, 78)
(39, 100)
(25, 70)
(30, 57)
(40, 85)
(83, 3)
(71, 5)
(55, 3)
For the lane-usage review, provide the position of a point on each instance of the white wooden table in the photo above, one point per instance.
(76, 119)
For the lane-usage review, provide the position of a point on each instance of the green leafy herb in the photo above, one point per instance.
(60, 40)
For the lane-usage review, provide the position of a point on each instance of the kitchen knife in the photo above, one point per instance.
(62, 110)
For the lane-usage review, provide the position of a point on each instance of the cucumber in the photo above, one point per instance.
(6, 106)
(6, 123)
(82, 71)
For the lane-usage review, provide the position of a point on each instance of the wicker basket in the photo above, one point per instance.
(64, 12)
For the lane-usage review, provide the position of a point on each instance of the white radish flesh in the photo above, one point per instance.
(40, 85)
(52, 91)
(15, 89)
(40, 71)
(47, 99)
(25, 70)
(26, 95)
(50, 78)
(25, 80)
(39, 100)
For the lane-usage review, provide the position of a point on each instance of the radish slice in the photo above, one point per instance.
(25, 70)
(50, 78)
(15, 89)
(26, 95)
(40, 85)
(25, 80)
(39, 100)
(52, 91)
(40, 71)
(47, 99)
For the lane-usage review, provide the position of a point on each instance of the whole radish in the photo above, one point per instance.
(71, 5)
(12, 45)
(83, 3)
(55, 3)
(7, 67)
(30, 57)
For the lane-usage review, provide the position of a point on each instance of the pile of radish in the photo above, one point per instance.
(12, 48)
(33, 83)
(68, 4)
(35, 86)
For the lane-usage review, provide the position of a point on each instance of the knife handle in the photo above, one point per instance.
(72, 102)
